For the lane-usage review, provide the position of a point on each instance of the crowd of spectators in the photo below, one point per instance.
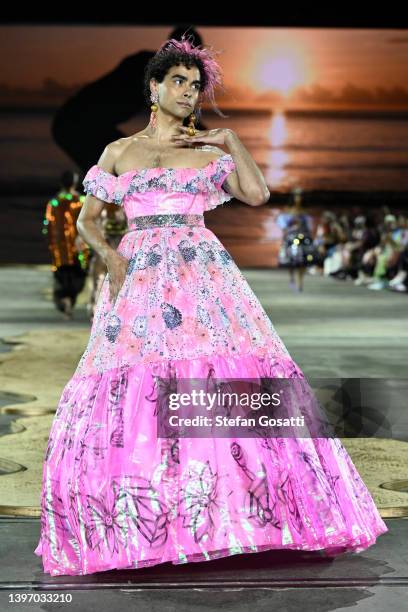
(369, 249)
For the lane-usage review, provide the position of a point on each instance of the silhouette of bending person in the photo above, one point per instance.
(87, 121)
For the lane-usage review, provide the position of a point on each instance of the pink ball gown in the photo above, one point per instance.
(114, 493)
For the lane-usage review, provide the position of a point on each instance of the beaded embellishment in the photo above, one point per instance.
(172, 219)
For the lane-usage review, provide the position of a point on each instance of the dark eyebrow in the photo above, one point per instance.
(180, 76)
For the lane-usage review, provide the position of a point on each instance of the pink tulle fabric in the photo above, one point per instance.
(114, 494)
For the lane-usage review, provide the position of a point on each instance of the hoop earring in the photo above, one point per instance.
(154, 108)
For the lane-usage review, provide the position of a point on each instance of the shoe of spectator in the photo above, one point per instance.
(398, 279)
(363, 280)
(399, 287)
(377, 285)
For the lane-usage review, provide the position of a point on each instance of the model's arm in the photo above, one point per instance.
(247, 183)
(91, 209)
(90, 232)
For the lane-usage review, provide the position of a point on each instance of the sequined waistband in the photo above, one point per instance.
(174, 219)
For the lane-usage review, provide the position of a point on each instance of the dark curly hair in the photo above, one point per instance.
(160, 64)
(183, 50)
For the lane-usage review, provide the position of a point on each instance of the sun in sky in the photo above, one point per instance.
(280, 70)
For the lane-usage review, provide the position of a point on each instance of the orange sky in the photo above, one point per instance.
(305, 62)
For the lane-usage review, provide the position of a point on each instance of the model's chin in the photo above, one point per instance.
(185, 109)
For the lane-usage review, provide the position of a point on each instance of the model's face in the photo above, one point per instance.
(180, 84)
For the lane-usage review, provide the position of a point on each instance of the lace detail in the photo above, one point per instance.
(223, 167)
(103, 185)
(209, 180)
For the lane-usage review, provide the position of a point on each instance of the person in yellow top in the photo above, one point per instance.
(69, 253)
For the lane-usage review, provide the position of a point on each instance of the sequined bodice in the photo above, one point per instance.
(151, 191)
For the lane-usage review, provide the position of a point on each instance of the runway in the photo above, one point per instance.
(333, 329)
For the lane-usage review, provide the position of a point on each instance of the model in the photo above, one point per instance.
(175, 305)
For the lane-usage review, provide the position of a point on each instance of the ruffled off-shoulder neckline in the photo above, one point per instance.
(145, 170)
(207, 180)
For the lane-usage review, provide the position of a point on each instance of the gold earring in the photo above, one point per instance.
(154, 98)
(154, 108)
(191, 127)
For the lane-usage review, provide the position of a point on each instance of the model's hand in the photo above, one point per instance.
(117, 266)
(215, 136)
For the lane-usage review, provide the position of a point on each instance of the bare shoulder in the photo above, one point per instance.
(116, 147)
(127, 140)
(110, 154)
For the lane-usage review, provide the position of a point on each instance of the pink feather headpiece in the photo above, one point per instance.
(206, 55)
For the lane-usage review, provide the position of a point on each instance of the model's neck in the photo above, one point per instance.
(166, 127)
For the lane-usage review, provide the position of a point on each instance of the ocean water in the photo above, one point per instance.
(321, 154)
(307, 151)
